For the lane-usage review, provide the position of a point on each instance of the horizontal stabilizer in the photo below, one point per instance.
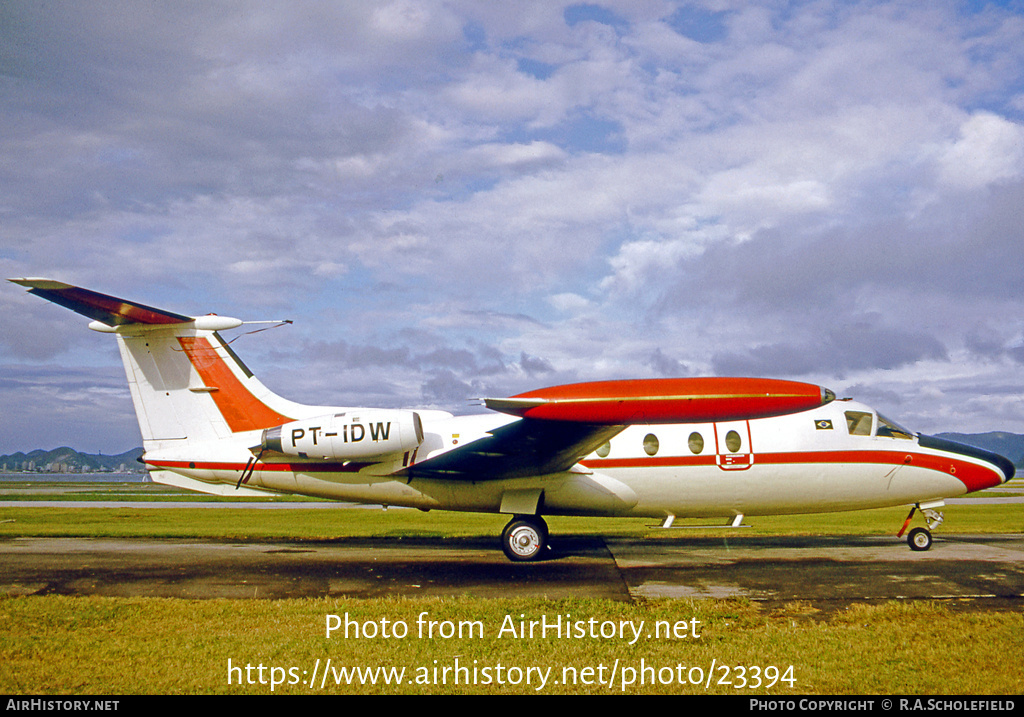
(107, 309)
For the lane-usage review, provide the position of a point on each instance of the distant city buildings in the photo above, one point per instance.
(64, 466)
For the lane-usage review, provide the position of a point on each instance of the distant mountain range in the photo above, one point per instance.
(1008, 445)
(68, 460)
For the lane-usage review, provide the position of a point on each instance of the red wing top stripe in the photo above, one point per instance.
(971, 475)
(665, 400)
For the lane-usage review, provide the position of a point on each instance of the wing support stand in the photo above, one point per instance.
(670, 519)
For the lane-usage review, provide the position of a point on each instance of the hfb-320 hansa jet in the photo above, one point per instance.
(662, 448)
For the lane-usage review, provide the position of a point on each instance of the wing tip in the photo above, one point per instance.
(33, 282)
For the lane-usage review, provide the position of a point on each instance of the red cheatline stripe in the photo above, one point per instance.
(973, 476)
(351, 467)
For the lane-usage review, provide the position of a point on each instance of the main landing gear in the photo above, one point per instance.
(921, 538)
(525, 538)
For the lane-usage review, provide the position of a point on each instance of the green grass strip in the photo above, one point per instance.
(62, 645)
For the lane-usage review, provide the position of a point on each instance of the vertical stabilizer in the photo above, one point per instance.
(186, 383)
(188, 386)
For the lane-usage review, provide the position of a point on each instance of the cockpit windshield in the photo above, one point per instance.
(859, 424)
(892, 429)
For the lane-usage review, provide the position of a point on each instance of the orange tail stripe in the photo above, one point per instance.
(242, 410)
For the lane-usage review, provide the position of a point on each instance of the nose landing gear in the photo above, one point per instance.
(921, 538)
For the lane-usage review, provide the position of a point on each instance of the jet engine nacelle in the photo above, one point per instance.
(347, 436)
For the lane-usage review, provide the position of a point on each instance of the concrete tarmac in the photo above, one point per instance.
(982, 571)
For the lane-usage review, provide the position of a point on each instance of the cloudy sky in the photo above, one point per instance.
(455, 198)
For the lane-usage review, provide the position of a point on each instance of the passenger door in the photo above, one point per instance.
(732, 445)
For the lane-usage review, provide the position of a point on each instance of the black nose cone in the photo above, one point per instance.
(941, 444)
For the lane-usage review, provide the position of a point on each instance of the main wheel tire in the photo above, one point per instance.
(919, 539)
(524, 539)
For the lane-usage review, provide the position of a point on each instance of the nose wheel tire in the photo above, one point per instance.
(524, 538)
(919, 539)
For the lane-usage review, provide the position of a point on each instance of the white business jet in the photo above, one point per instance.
(665, 448)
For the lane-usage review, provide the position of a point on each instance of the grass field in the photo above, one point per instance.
(51, 519)
(127, 646)
(89, 645)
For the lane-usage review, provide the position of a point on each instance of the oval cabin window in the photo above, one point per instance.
(732, 441)
(651, 444)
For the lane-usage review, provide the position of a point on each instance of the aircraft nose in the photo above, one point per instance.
(998, 462)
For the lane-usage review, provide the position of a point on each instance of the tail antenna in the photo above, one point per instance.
(276, 324)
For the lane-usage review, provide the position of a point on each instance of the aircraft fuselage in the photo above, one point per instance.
(808, 462)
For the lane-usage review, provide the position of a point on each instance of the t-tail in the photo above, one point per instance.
(187, 385)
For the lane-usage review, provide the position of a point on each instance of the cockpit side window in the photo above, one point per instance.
(891, 429)
(858, 423)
